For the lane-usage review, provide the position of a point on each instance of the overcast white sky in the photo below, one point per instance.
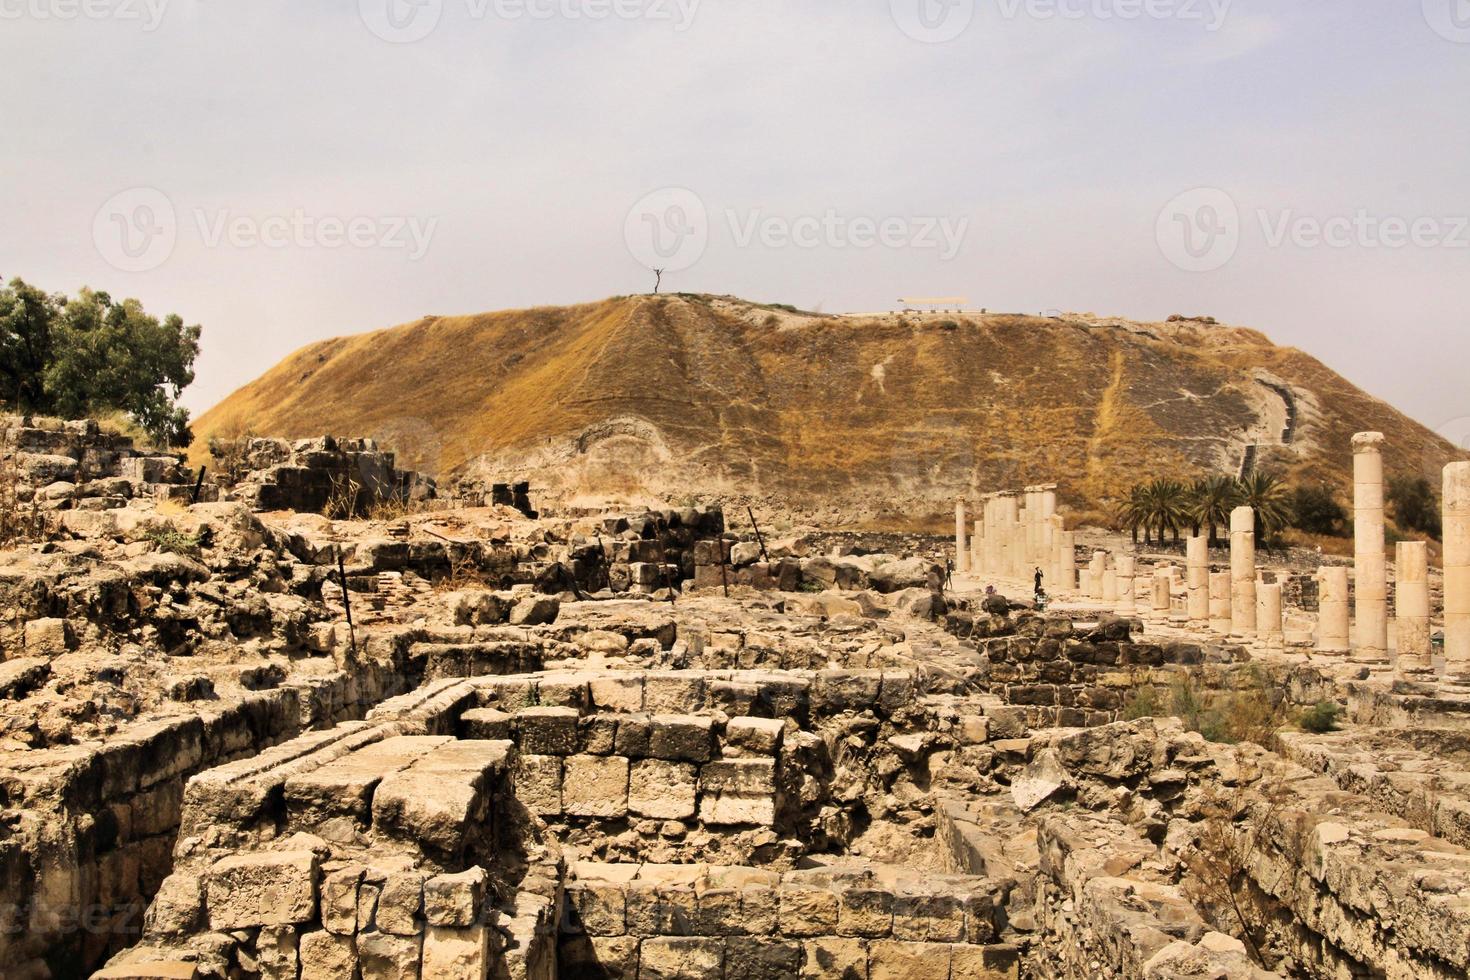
(152, 147)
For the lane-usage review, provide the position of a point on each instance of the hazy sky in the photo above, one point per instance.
(286, 171)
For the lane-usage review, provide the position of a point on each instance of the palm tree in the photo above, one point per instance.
(1212, 498)
(1165, 503)
(1133, 513)
(1267, 496)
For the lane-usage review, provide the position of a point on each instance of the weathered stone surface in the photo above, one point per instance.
(262, 889)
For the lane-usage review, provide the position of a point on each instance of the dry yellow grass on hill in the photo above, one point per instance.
(860, 420)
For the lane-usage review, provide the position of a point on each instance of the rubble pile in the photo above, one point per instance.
(247, 739)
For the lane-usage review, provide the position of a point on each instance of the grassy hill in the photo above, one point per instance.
(877, 421)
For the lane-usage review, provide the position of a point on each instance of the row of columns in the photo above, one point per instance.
(1019, 531)
(1014, 533)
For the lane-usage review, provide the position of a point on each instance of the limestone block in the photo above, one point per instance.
(598, 734)
(487, 723)
(595, 786)
(339, 900)
(535, 610)
(439, 800)
(996, 962)
(895, 960)
(758, 736)
(455, 900)
(176, 907)
(262, 889)
(738, 791)
(617, 693)
(45, 637)
(928, 918)
(662, 790)
(807, 911)
(865, 912)
(829, 958)
(384, 956)
(600, 906)
(634, 734)
(762, 958)
(399, 905)
(673, 692)
(681, 738)
(548, 731)
(759, 908)
(326, 956)
(464, 954)
(538, 781)
(681, 958)
(277, 953)
(344, 786)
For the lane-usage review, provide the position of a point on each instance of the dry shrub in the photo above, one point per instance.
(228, 448)
(1237, 827)
(344, 500)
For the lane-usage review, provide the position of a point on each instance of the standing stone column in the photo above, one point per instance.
(977, 549)
(1162, 592)
(1126, 568)
(1095, 574)
(1268, 614)
(1332, 609)
(1055, 574)
(1412, 607)
(1370, 558)
(961, 545)
(1067, 560)
(1457, 569)
(1197, 579)
(1110, 585)
(1243, 572)
(1220, 602)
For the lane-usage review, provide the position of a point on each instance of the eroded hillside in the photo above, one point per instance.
(851, 419)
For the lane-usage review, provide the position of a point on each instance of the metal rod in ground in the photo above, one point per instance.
(198, 486)
(724, 581)
(663, 565)
(346, 602)
(759, 539)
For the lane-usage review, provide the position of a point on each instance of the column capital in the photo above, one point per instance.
(1367, 442)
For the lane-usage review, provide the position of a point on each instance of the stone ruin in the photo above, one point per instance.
(243, 739)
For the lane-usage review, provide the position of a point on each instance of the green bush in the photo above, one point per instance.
(1321, 717)
(1145, 703)
(173, 541)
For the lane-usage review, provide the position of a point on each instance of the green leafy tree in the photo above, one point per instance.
(1316, 510)
(1415, 505)
(90, 355)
